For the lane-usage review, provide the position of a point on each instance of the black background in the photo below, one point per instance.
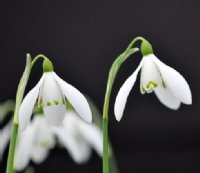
(83, 38)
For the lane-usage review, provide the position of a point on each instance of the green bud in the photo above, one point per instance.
(47, 65)
(146, 48)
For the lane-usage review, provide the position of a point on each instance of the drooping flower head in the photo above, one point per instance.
(75, 135)
(51, 93)
(168, 85)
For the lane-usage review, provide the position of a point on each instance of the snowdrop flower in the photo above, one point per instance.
(79, 137)
(168, 85)
(51, 92)
(34, 143)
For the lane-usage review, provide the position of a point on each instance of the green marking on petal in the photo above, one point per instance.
(40, 103)
(155, 85)
(48, 103)
(64, 100)
(163, 84)
(142, 90)
(56, 102)
(69, 106)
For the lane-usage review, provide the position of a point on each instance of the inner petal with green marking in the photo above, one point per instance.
(149, 87)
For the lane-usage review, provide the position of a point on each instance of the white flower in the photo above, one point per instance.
(169, 86)
(51, 92)
(79, 137)
(34, 143)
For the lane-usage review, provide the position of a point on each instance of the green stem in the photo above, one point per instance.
(105, 146)
(112, 75)
(38, 57)
(9, 168)
(98, 121)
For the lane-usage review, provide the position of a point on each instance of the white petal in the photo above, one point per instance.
(39, 154)
(5, 134)
(93, 136)
(24, 148)
(27, 106)
(167, 98)
(54, 114)
(175, 82)
(44, 140)
(123, 93)
(77, 148)
(76, 98)
(45, 136)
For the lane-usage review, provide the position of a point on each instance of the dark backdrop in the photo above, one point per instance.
(83, 38)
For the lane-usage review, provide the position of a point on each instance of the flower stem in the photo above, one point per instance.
(111, 77)
(38, 57)
(105, 146)
(9, 168)
(19, 97)
(98, 121)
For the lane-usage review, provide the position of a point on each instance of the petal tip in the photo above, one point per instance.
(189, 100)
(118, 119)
(88, 118)
(118, 115)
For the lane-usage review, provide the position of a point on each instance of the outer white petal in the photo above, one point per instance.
(167, 98)
(45, 136)
(76, 98)
(174, 81)
(27, 106)
(77, 148)
(44, 140)
(5, 134)
(123, 93)
(93, 136)
(39, 154)
(24, 148)
(54, 114)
